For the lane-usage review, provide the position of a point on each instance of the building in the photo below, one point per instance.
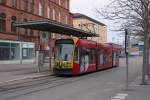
(18, 45)
(136, 47)
(88, 24)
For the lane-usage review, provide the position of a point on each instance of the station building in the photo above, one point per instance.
(86, 23)
(18, 45)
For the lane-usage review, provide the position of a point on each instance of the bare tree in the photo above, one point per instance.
(133, 15)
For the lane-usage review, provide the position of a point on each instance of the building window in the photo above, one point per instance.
(26, 30)
(28, 51)
(31, 6)
(40, 9)
(13, 20)
(53, 35)
(67, 4)
(3, 2)
(2, 22)
(14, 3)
(26, 5)
(66, 19)
(54, 16)
(31, 32)
(9, 51)
(48, 12)
(59, 2)
(59, 16)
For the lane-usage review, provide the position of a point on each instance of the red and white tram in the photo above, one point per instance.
(79, 56)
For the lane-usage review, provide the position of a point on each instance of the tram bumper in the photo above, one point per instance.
(58, 71)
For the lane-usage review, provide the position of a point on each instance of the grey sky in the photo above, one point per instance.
(87, 7)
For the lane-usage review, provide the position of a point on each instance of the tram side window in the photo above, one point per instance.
(87, 56)
(92, 56)
(76, 55)
(101, 57)
(105, 56)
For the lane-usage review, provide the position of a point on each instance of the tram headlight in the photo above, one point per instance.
(67, 64)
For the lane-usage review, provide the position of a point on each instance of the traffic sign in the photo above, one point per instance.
(44, 36)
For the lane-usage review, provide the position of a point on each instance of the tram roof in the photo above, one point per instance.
(86, 43)
(54, 27)
(114, 45)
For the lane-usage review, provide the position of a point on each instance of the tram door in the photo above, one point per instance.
(114, 58)
(100, 59)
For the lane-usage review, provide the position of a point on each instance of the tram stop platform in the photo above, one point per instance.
(16, 72)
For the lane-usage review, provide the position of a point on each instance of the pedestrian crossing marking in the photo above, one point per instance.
(115, 99)
(120, 96)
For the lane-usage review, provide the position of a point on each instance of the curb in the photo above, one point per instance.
(19, 80)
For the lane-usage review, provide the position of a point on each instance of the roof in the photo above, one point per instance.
(78, 15)
(54, 27)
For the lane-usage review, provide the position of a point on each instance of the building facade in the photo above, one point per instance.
(19, 45)
(88, 24)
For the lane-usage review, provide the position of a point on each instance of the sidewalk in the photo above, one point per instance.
(136, 91)
(14, 72)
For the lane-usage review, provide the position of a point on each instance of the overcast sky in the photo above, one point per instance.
(87, 7)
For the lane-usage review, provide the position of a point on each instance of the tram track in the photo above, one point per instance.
(5, 87)
(39, 84)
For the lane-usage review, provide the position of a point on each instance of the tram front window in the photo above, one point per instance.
(64, 52)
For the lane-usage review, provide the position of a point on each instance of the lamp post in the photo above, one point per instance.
(127, 59)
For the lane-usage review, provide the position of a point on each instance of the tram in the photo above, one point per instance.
(78, 56)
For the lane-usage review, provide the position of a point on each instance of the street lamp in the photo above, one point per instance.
(127, 59)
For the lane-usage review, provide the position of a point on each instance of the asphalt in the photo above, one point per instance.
(17, 73)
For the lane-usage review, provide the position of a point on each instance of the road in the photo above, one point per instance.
(102, 85)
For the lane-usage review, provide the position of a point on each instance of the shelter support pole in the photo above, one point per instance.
(50, 51)
(148, 57)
